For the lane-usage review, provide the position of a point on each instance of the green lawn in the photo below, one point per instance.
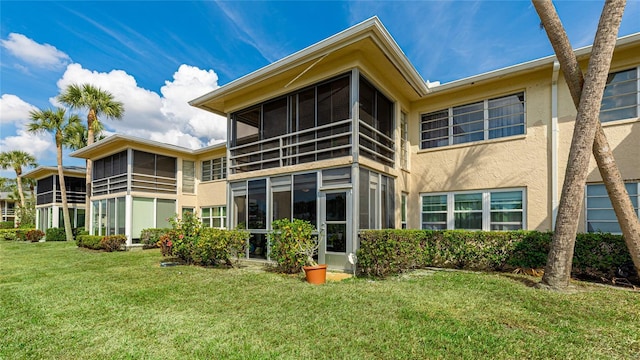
(61, 302)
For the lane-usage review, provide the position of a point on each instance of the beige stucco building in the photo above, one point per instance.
(347, 135)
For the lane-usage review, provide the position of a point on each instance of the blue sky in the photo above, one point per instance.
(156, 55)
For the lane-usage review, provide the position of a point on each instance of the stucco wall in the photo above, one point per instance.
(512, 162)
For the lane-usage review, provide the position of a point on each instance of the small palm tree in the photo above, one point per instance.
(62, 126)
(17, 159)
(98, 103)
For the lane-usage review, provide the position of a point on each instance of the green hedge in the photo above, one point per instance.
(8, 234)
(97, 242)
(210, 246)
(56, 234)
(6, 225)
(14, 234)
(389, 252)
(150, 237)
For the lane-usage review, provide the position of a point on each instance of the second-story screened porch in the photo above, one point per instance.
(150, 172)
(315, 123)
(49, 213)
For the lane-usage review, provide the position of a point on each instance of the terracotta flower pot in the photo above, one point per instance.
(316, 274)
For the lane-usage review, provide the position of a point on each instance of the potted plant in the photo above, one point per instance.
(293, 246)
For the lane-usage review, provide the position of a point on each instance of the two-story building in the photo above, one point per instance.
(347, 135)
(139, 184)
(49, 212)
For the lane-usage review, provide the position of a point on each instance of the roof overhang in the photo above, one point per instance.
(353, 39)
(44, 171)
(119, 141)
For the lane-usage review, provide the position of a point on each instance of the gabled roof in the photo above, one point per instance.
(44, 171)
(349, 39)
(103, 146)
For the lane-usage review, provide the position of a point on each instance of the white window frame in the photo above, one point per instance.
(214, 173)
(587, 210)
(222, 216)
(637, 97)
(485, 132)
(486, 207)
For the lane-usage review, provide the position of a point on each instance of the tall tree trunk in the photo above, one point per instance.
(91, 117)
(559, 262)
(63, 190)
(622, 205)
(20, 193)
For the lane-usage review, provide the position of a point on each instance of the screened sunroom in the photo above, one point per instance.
(49, 212)
(339, 120)
(132, 190)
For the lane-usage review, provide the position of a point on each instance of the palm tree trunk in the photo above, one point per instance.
(91, 117)
(627, 218)
(20, 192)
(63, 190)
(559, 262)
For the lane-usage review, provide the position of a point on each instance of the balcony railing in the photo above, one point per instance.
(139, 182)
(153, 183)
(319, 143)
(8, 212)
(375, 145)
(110, 185)
(73, 197)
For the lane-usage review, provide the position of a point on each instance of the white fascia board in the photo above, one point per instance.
(130, 140)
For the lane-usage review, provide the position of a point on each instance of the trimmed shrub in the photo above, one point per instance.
(79, 231)
(113, 242)
(21, 234)
(150, 237)
(8, 234)
(6, 225)
(56, 234)
(89, 241)
(385, 252)
(390, 252)
(34, 235)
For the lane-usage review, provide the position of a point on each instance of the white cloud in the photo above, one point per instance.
(41, 55)
(167, 118)
(14, 110)
(39, 145)
(189, 83)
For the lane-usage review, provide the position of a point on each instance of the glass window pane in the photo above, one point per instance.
(466, 202)
(336, 207)
(142, 216)
(257, 198)
(337, 237)
(468, 220)
(165, 209)
(281, 205)
(305, 192)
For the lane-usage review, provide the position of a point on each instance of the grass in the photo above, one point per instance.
(61, 302)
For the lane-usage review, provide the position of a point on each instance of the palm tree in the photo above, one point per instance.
(56, 122)
(588, 97)
(98, 103)
(17, 159)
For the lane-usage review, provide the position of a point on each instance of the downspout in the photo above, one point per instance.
(554, 143)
